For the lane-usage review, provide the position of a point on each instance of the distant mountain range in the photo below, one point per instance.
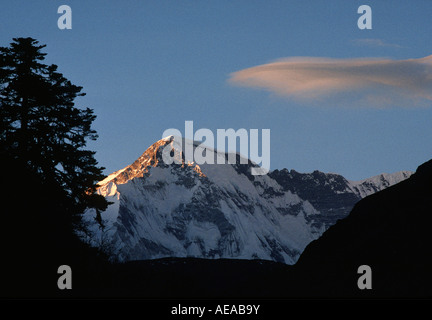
(221, 210)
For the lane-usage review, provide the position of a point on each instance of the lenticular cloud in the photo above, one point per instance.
(373, 81)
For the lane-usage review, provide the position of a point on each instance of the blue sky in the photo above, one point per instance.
(148, 66)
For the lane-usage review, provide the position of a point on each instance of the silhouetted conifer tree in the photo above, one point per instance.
(48, 177)
(41, 126)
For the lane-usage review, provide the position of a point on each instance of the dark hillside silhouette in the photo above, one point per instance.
(390, 232)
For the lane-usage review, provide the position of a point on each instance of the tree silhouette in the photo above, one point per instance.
(41, 126)
(48, 177)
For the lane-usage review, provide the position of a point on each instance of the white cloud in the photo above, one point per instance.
(363, 81)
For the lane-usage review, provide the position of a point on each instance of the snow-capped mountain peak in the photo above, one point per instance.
(377, 183)
(220, 210)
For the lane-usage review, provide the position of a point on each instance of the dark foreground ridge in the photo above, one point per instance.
(199, 278)
(389, 231)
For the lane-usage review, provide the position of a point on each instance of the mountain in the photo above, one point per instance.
(388, 231)
(220, 210)
(331, 194)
